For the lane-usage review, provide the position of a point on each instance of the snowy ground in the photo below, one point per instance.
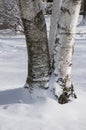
(19, 110)
(12, 62)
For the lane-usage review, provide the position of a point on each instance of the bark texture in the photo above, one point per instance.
(64, 48)
(9, 14)
(37, 43)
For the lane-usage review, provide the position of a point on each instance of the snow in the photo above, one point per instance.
(39, 110)
(13, 60)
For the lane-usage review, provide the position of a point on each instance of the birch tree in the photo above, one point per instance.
(37, 44)
(83, 22)
(64, 48)
(84, 11)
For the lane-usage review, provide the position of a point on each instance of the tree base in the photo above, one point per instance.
(64, 98)
(41, 85)
(64, 94)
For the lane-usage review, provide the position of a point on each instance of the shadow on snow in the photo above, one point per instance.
(22, 95)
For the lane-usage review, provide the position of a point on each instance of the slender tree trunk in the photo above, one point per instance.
(84, 16)
(64, 47)
(52, 33)
(83, 22)
(37, 43)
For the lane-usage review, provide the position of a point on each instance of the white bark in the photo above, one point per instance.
(37, 43)
(53, 24)
(64, 47)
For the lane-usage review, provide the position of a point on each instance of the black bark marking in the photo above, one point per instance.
(70, 64)
(64, 10)
(67, 93)
(56, 40)
(65, 29)
(40, 21)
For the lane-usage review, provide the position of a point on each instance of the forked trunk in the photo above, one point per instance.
(64, 48)
(37, 43)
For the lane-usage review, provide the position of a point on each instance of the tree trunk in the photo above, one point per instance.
(54, 19)
(37, 43)
(83, 22)
(84, 9)
(64, 48)
(84, 16)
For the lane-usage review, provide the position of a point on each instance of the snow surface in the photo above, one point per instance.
(21, 110)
